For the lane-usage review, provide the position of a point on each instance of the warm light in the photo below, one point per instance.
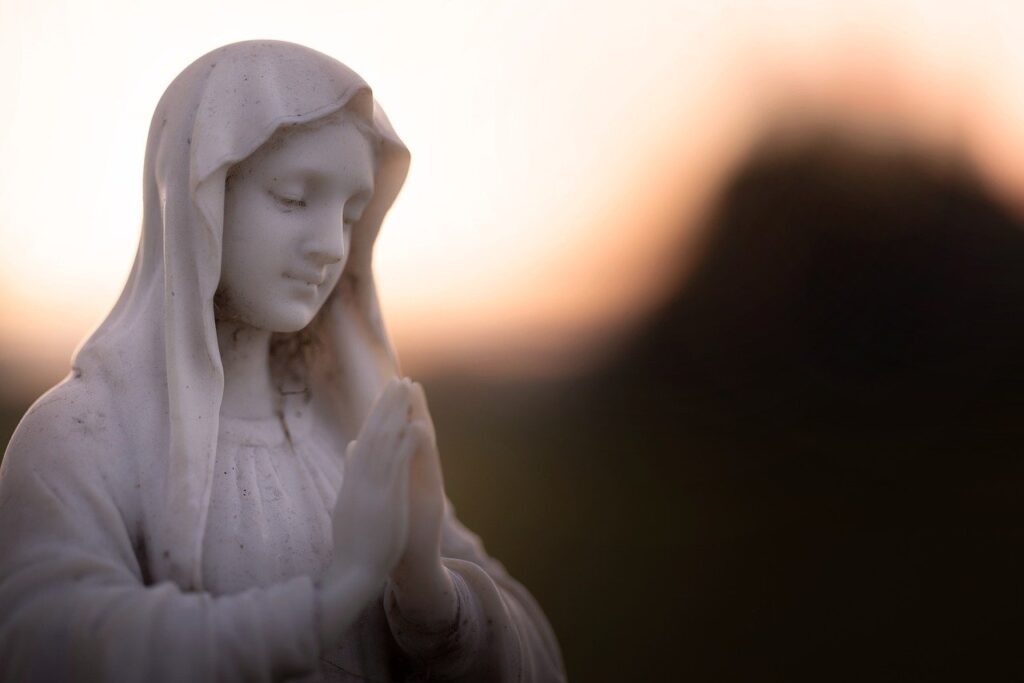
(558, 147)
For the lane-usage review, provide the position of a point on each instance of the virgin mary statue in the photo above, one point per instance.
(234, 483)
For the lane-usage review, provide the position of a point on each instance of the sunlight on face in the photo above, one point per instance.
(289, 210)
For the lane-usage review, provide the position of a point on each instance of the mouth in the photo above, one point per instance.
(314, 280)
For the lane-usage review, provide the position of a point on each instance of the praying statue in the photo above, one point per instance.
(235, 482)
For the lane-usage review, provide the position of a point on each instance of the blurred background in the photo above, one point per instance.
(719, 306)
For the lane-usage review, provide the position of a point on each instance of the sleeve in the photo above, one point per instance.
(500, 632)
(73, 603)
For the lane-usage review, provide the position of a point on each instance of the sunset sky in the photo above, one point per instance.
(561, 150)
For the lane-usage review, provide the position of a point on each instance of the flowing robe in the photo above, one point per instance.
(77, 601)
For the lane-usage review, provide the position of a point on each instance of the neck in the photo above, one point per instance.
(245, 354)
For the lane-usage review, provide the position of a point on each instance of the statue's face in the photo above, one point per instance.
(288, 216)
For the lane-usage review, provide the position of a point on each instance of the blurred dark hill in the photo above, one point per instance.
(807, 463)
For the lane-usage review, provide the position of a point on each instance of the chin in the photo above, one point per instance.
(294, 324)
(288, 319)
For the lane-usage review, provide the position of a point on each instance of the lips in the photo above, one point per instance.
(315, 279)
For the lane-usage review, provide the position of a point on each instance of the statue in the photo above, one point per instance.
(235, 482)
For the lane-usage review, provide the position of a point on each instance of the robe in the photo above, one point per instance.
(77, 601)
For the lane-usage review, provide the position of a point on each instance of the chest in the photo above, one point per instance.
(270, 507)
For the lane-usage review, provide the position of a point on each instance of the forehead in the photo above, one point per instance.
(337, 151)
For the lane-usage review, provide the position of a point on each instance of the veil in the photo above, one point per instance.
(156, 355)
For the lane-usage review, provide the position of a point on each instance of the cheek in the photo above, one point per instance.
(255, 246)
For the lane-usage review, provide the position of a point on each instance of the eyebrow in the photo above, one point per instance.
(363, 185)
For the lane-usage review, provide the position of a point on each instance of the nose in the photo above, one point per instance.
(323, 256)
(326, 247)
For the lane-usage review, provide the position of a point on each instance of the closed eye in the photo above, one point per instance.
(288, 202)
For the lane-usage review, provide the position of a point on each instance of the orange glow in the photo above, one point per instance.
(560, 150)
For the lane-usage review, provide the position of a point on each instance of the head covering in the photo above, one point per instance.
(157, 352)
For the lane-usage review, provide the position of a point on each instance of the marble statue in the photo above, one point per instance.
(235, 482)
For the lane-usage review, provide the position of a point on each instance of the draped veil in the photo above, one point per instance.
(156, 354)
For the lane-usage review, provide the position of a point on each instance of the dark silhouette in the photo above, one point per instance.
(807, 463)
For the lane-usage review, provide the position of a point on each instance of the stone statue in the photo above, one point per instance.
(235, 482)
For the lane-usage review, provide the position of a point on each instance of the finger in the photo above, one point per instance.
(421, 411)
(387, 430)
(413, 440)
(399, 447)
(378, 430)
(397, 454)
(419, 399)
(398, 492)
(390, 413)
(382, 406)
(400, 475)
(387, 393)
(403, 406)
(410, 438)
(405, 456)
(410, 395)
(354, 459)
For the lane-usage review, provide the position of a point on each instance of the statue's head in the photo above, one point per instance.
(289, 212)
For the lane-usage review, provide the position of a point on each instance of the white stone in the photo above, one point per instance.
(235, 482)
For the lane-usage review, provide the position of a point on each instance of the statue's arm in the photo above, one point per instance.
(501, 633)
(73, 602)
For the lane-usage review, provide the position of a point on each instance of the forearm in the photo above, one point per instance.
(496, 633)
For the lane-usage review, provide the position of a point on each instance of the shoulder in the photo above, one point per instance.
(66, 483)
(74, 423)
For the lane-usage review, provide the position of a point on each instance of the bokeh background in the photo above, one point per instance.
(719, 306)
